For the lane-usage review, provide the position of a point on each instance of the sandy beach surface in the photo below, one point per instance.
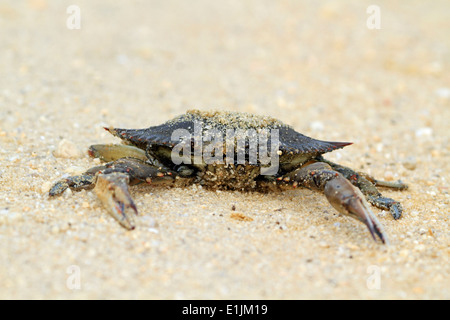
(323, 67)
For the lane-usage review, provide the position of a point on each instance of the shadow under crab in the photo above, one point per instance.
(187, 150)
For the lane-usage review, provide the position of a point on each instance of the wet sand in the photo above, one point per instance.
(314, 65)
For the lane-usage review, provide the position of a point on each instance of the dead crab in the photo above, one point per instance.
(187, 150)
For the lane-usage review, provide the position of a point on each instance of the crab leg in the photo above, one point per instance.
(84, 181)
(112, 152)
(367, 184)
(111, 185)
(112, 190)
(342, 195)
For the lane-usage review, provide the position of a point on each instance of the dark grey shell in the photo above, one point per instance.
(294, 147)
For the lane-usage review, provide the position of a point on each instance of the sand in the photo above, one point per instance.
(312, 64)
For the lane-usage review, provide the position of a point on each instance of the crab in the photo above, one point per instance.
(190, 149)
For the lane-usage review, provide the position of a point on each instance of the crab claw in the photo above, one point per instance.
(112, 190)
(349, 200)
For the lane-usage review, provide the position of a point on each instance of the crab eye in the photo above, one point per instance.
(185, 171)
